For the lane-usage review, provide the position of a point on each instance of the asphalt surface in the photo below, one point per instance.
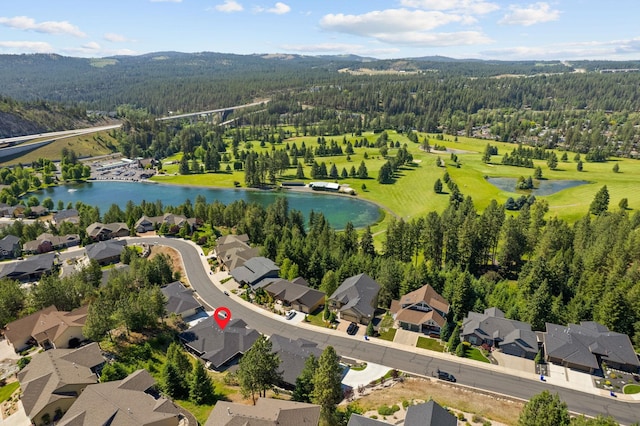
(476, 376)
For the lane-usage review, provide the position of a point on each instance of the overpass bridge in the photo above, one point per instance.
(221, 113)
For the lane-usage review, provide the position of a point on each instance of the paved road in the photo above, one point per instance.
(480, 376)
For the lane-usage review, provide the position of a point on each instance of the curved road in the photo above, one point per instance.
(484, 377)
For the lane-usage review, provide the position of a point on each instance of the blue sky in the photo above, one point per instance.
(483, 29)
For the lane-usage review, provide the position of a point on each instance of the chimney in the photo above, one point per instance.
(229, 411)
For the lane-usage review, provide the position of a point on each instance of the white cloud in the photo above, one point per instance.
(229, 6)
(165, 1)
(473, 7)
(115, 38)
(405, 27)
(279, 9)
(26, 46)
(532, 14)
(48, 27)
(95, 50)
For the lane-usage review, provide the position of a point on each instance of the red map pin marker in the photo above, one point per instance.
(222, 316)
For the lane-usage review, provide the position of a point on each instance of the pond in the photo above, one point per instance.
(543, 187)
(337, 209)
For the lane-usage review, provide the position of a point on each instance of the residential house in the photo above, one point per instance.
(219, 348)
(298, 297)
(254, 271)
(491, 328)
(10, 247)
(99, 231)
(146, 223)
(180, 300)
(29, 269)
(586, 346)
(423, 311)
(429, 414)
(106, 252)
(132, 401)
(37, 211)
(267, 411)
(54, 379)
(356, 299)
(47, 242)
(293, 355)
(68, 215)
(48, 328)
(232, 251)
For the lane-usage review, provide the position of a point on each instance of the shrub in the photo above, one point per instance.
(405, 403)
(477, 419)
(461, 417)
(22, 362)
(486, 423)
(388, 411)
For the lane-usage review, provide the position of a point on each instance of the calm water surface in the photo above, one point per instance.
(337, 209)
(543, 187)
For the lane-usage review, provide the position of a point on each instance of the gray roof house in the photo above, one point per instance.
(106, 252)
(29, 269)
(298, 297)
(147, 223)
(255, 270)
(586, 346)
(9, 247)
(360, 420)
(293, 354)
(127, 402)
(99, 231)
(422, 310)
(53, 380)
(232, 251)
(493, 329)
(68, 215)
(266, 412)
(47, 242)
(218, 347)
(429, 414)
(356, 299)
(180, 300)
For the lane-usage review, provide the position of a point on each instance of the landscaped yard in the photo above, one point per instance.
(388, 334)
(316, 318)
(474, 353)
(8, 390)
(631, 389)
(430, 344)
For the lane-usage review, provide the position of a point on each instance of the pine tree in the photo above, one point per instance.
(299, 171)
(544, 409)
(259, 369)
(180, 360)
(173, 383)
(486, 156)
(454, 340)
(304, 382)
(362, 171)
(327, 387)
(201, 389)
(437, 187)
(600, 203)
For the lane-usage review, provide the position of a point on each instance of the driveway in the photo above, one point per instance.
(19, 418)
(405, 337)
(514, 362)
(364, 377)
(7, 351)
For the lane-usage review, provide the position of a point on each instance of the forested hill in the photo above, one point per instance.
(25, 118)
(171, 81)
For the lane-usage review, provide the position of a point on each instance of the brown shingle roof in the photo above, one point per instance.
(266, 412)
(426, 294)
(22, 329)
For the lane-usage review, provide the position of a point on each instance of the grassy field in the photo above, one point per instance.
(631, 389)
(475, 354)
(8, 390)
(388, 334)
(430, 344)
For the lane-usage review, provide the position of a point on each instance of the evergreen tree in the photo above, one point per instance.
(201, 389)
(623, 204)
(579, 166)
(112, 371)
(552, 161)
(600, 203)
(180, 360)
(544, 409)
(303, 390)
(173, 383)
(616, 168)
(184, 165)
(327, 387)
(362, 171)
(486, 156)
(537, 173)
(259, 369)
(329, 283)
(366, 242)
(370, 329)
(385, 175)
(461, 350)
(299, 171)
(564, 157)
(333, 172)
(454, 340)
(437, 187)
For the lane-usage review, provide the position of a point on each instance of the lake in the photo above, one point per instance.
(544, 187)
(337, 209)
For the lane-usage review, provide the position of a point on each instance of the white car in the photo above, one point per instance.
(290, 315)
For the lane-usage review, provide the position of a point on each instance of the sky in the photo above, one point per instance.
(479, 29)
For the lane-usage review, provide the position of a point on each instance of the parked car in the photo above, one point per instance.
(352, 329)
(226, 293)
(290, 315)
(443, 375)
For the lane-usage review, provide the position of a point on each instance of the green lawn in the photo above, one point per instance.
(316, 318)
(631, 389)
(201, 412)
(474, 353)
(8, 390)
(430, 344)
(388, 334)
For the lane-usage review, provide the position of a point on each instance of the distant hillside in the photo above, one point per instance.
(25, 118)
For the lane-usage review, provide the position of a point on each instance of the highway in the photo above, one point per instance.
(481, 376)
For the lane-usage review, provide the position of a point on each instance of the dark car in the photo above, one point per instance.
(352, 329)
(443, 375)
